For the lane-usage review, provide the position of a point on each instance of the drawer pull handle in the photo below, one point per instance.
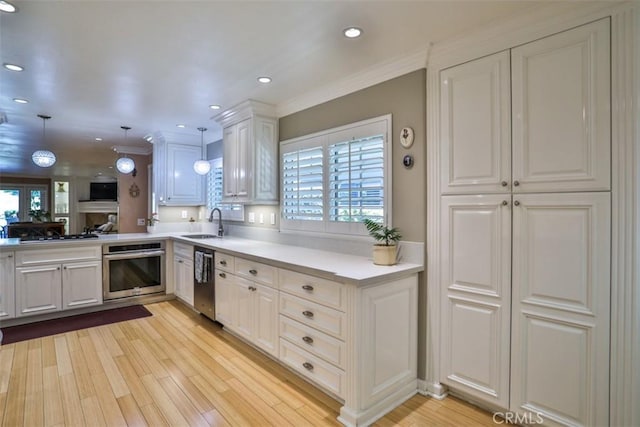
(308, 340)
(308, 314)
(254, 272)
(252, 289)
(308, 366)
(224, 276)
(223, 262)
(307, 288)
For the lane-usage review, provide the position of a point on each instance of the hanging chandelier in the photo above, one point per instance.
(202, 166)
(125, 164)
(43, 158)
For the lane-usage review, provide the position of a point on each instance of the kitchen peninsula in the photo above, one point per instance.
(341, 322)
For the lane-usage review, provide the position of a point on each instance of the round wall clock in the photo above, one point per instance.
(406, 137)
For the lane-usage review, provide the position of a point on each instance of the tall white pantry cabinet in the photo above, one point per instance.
(525, 204)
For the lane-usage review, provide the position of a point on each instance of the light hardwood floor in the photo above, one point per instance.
(179, 369)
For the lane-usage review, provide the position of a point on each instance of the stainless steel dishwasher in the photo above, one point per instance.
(204, 295)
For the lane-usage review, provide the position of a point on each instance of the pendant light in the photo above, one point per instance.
(43, 158)
(202, 167)
(125, 164)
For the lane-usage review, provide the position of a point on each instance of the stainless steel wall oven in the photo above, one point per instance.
(132, 269)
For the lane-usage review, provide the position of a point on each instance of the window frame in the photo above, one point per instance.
(228, 214)
(381, 125)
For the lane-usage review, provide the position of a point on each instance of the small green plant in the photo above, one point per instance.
(381, 233)
(38, 215)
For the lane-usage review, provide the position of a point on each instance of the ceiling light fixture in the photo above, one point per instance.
(20, 100)
(202, 166)
(98, 139)
(181, 126)
(352, 32)
(214, 106)
(125, 164)
(13, 67)
(5, 6)
(43, 158)
(264, 79)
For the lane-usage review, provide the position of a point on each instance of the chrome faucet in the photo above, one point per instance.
(220, 228)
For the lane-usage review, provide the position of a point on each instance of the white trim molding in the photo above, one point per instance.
(625, 180)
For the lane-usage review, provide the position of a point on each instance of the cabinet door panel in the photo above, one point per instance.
(561, 295)
(476, 126)
(476, 266)
(266, 319)
(225, 299)
(229, 161)
(7, 286)
(243, 165)
(81, 284)
(38, 289)
(561, 111)
(184, 185)
(245, 308)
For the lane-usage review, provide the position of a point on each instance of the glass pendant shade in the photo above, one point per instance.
(125, 165)
(202, 167)
(43, 158)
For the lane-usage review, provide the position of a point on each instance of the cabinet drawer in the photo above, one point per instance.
(182, 250)
(313, 288)
(256, 271)
(225, 262)
(58, 255)
(322, 345)
(317, 316)
(317, 370)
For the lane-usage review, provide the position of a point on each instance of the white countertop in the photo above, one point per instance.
(332, 265)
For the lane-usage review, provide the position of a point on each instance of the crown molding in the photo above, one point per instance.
(379, 73)
(243, 111)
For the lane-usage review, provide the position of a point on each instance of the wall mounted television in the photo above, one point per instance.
(103, 191)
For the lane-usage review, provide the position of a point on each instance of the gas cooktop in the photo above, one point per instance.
(64, 237)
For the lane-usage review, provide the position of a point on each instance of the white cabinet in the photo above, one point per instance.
(7, 285)
(524, 227)
(175, 183)
(81, 284)
(38, 289)
(250, 160)
(48, 280)
(183, 273)
(245, 306)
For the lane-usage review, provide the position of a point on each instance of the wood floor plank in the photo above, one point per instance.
(48, 352)
(107, 399)
(259, 403)
(34, 401)
(62, 356)
(6, 363)
(91, 411)
(290, 414)
(146, 356)
(183, 403)
(71, 404)
(153, 416)
(111, 371)
(215, 419)
(163, 401)
(131, 411)
(109, 340)
(73, 341)
(248, 381)
(196, 397)
(53, 411)
(82, 374)
(226, 408)
(16, 393)
(90, 356)
(3, 401)
(138, 391)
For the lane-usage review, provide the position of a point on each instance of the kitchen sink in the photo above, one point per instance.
(200, 236)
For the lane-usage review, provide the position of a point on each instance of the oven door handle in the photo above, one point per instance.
(131, 255)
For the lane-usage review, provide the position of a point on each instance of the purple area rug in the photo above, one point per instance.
(72, 323)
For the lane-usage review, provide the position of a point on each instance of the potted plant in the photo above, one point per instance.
(385, 251)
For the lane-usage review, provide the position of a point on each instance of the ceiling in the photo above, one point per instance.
(97, 65)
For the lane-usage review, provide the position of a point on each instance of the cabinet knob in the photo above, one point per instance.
(308, 366)
(254, 272)
(58, 268)
(308, 340)
(10, 256)
(516, 183)
(65, 267)
(179, 261)
(224, 276)
(504, 183)
(505, 203)
(516, 203)
(307, 288)
(308, 314)
(223, 262)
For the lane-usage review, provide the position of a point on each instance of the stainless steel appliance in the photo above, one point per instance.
(132, 269)
(204, 296)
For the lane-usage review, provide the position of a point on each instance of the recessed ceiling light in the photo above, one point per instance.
(214, 107)
(352, 32)
(98, 139)
(110, 167)
(20, 100)
(181, 126)
(13, 67)
(264, 79)
(5, 6)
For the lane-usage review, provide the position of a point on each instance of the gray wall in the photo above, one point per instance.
(405, 98)
(214, 150)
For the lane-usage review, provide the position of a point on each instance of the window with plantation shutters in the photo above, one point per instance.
(233, 212)
(334, 179)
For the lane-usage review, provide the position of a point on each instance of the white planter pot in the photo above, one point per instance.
(151, 228)
(384, 255)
